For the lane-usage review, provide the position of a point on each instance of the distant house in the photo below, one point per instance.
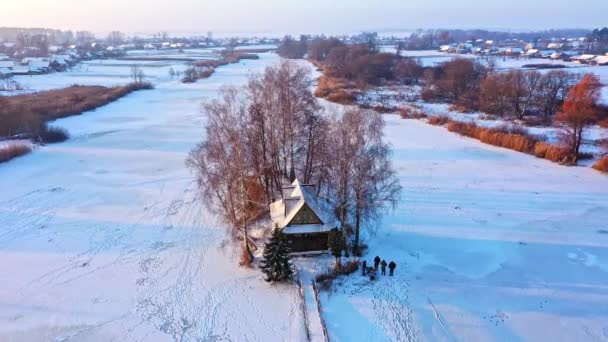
(302, 217)
(546, 53)
(532, 53)
(601, 60)
(37, 65)
(514, 51)
(555, 46)
(6, 68)
(583, 59)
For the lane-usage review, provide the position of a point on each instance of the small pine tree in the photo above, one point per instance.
(336, 244)
(277, 262)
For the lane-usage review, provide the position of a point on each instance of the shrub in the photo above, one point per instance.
(603, 123)
(411, 113)
(326, 279)
(12, 150)
(341, 96)
(49, 135)
(438, 120)
(585, 156)
(602, 165)
(534, 121)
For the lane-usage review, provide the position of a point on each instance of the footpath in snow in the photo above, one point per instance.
(307, 269)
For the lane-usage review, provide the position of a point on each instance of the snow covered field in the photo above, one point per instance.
(490, 244)
(101, 239)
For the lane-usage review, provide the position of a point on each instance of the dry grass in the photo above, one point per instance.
(440, 120)
(12, 150)
(459, 108)
(514, 138)
(341, 96)
(602, 165)
(59, 103)
(336, 90)
(26, 114)
(411, 113)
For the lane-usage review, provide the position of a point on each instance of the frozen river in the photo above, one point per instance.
(101, 239)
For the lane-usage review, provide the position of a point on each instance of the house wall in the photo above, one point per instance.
(307, 242)
(306, 216)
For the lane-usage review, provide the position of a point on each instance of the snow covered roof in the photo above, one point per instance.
(601, 60)
(583, 57)
(295, 197)
(7, 64)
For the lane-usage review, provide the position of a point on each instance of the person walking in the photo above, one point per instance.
(376, 262)
(364, 266)
(391, 268)
(383, 265)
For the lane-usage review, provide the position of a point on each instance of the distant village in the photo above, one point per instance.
(42, 52)
(565, 49)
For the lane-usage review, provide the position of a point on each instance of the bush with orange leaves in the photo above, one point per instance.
(602, 165)
(580, 110)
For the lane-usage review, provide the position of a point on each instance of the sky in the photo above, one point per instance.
(303, 16)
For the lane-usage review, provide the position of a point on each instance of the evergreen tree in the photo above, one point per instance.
(277, 262)
(336, 244)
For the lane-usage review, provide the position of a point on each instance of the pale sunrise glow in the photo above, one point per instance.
(314, 16)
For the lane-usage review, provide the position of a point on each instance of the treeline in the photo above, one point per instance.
(362, 63)
(578, 109)
(597, 41)
(473, 86)
(14, 34)
(273, 130)
(432, 39)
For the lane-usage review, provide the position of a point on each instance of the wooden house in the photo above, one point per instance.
(303, 218)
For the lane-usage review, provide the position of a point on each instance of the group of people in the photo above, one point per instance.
(372, 271)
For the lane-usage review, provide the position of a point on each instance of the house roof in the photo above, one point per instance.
(603, 60)
(295, 197)
(584, 57)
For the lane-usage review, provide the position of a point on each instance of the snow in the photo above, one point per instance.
(102, 239)
(307, 268)
(490, 244)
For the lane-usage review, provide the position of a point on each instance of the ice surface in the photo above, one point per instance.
(490, 244)
(101, 238)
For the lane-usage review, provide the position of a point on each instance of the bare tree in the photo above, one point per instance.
(364, 181)
(579, 111)
(115, 37)
(222, 163)
(137, 74)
